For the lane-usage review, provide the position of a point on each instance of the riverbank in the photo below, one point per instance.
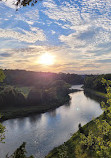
(14, 112)
(52, 128)
(71, 147)
(97, 93)
(28, 110)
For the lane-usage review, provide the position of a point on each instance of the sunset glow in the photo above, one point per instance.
(46, 59)
(77, 33)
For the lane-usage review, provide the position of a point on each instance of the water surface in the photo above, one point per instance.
(45, 131)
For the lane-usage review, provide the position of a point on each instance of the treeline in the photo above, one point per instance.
(24, 92)
(10, 97)
(94, 82)
(31, 78)
(55, 93)
(92, 140)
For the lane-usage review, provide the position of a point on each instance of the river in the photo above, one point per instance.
(45, 131)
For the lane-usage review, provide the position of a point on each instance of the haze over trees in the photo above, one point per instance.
(27, 92)
(44, 90)
(31, 78)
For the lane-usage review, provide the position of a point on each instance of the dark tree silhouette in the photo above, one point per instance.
(20, 3)
(23, 3)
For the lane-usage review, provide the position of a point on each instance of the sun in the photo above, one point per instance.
(46, 59)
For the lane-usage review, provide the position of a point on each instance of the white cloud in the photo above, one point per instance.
(53, 32)
(26, 36)
(10, 3)
(66, 13)
(91, 23)
(88, 23)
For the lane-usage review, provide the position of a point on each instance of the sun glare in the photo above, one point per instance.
(46, 59)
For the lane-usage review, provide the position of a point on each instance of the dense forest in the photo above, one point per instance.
(94, 82)
(39, 99)
(31, 78)
(34, 91)
(39, 91)
(92, 140)
(22, 89)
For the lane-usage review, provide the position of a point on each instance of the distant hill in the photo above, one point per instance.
(31, 78)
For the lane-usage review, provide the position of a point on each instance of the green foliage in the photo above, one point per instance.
(24, 90)
(21, 101)
(2, 128)
(2, 133)
(39, 79)
(80, 128)
(63, 152)
(2, 76)
(9, 94)
(94, 82)
(11, 97)
(55, 92)
(20, 152)
(99, 141)
(95, 139)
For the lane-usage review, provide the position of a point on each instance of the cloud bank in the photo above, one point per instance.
(78, 33)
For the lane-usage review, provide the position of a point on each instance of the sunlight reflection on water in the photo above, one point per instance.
(45, 131)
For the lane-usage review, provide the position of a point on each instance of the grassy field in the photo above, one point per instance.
(97, 93)
(24, 90)
(100, 94)
(25, 109)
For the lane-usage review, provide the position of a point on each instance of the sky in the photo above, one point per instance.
(76, 32)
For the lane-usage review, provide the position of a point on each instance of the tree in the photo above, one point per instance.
(2, 131)
(98, 141)
(23, 3)
(2, 128)
(20, 152)
(2, 75)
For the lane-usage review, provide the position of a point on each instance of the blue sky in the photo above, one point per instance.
(76, 32)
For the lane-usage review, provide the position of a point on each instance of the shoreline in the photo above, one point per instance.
(96, 93)
(75, 138)
(26, 111)
(73, 141)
